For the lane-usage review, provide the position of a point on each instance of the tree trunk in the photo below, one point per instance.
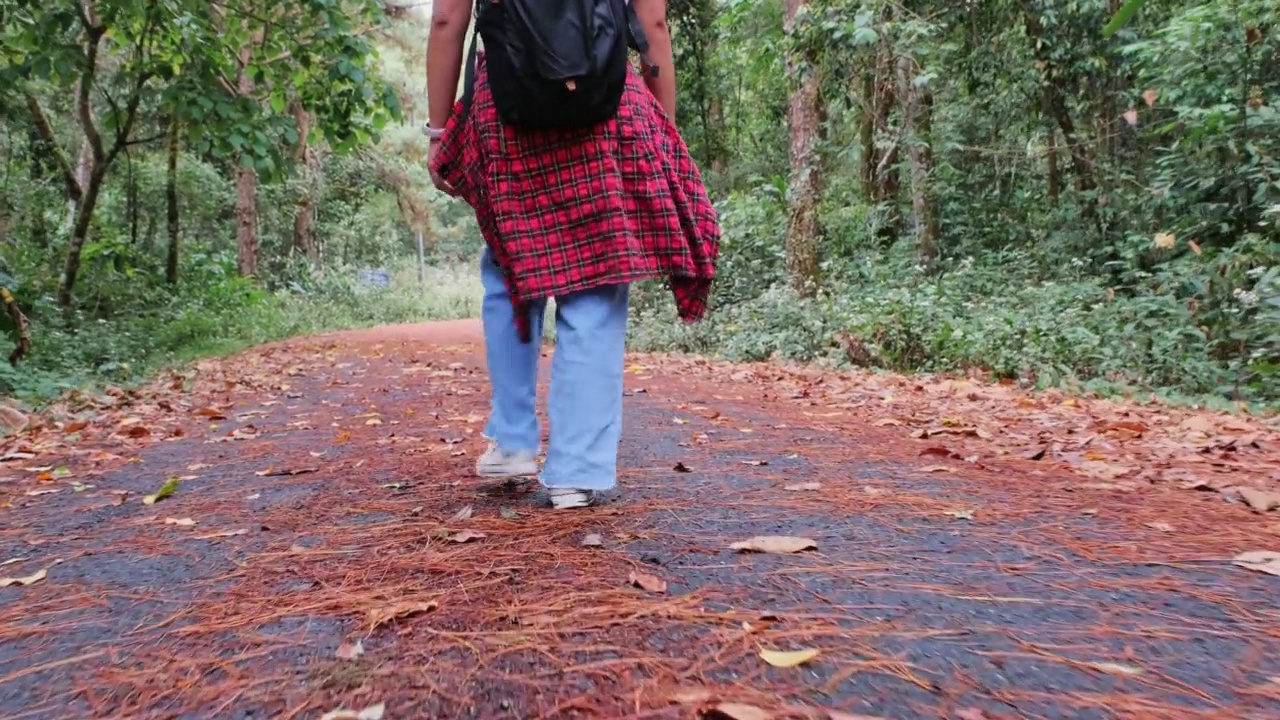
(304, 236)
(1055, 175)
(79, 234)
(246, 221)
(171, 203)
(916, 124)
(246, 189)
(803, 114)
(886, 182)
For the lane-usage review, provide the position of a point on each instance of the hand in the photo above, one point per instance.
(438, 181)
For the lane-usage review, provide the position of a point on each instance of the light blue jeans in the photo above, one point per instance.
(585, 401)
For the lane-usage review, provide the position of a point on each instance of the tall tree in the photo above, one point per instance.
(804, 113)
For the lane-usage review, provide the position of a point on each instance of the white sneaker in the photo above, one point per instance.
(569, 498)
(499, 463)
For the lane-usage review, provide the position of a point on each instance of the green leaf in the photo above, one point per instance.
(1121, 17)
(170, 487)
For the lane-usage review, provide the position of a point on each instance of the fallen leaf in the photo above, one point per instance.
(272, 472)
(788, 658)
(509, 514)
(593, 540)
(937, 469)
(380, 616)
(779, 544)
(1264, 561)
(31, 579)
(1260, 500)
(350, 651)
(12, 420)
(1117, 669)
(222, 534)
(647, 582)
(972, 714)
(180, 522)
(755, 463)
(1103, 470)
(1161, 526)
(211, 413)
(682, 468)
(803, 487)
(738, 711)
(692, 696)
(170, 487)
(12, 561)
(961, 514)
(42, 491)
(466, 536)
(373, 712)
(464, 514)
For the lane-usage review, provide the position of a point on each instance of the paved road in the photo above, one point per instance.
(334, 506)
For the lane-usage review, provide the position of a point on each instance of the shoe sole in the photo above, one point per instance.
(506, 473)
(570, 501)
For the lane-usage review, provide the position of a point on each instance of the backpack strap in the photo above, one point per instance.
(637, 39)
(469, 81)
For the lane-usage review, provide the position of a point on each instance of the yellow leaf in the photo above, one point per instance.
(180, 522)
(786, 659)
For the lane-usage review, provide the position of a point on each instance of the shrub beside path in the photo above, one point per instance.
(295, 533)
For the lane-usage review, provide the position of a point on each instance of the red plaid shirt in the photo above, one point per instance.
(572, 210)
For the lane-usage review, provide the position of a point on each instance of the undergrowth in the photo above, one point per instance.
(227, 315)
(1203, 329)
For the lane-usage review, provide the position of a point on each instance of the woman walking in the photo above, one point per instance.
(581, 186)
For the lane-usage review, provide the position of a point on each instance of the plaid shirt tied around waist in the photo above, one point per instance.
(565, 211)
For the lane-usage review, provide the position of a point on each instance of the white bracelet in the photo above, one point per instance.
(433, 133)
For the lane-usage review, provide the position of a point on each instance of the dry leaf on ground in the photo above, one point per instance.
(788, 658)
(779, 544)
(464, 514)
(1260, 500)
(373, 712)
(180, 522)
(647, 582)
(466, 536)
(1117, 669)
(803, 487)
(1161, 526)
(593, 540)
(222, 534)
(380, 616)
(1263, 561)
(31, 579)
(692, 696)
(737, 711)
(350, 651)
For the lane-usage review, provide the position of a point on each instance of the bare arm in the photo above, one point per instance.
(445, 43)
(653, 20)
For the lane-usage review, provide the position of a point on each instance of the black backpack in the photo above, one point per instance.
(555, 64)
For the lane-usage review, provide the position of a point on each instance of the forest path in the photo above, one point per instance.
(980, 551)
